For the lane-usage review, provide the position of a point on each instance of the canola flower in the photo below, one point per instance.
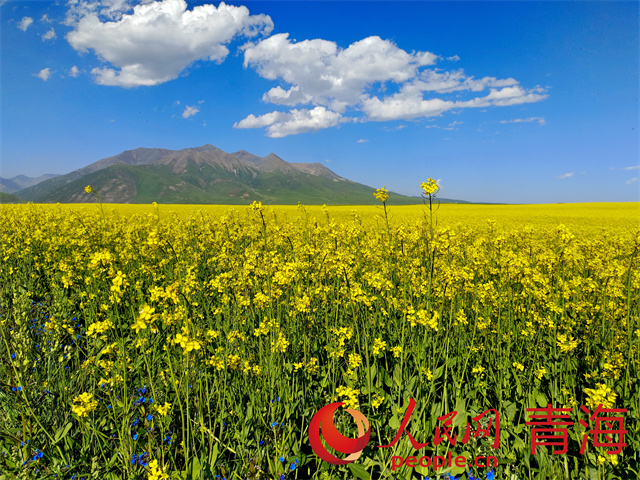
(216, 311)
(381, 194)
(430, 187)
(84, 404)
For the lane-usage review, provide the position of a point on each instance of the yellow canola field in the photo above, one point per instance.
(189, 341)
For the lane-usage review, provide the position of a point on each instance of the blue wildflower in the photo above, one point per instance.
(144, 459)
(281, 459)
(149, 417)
(491, 475)
(135, 436)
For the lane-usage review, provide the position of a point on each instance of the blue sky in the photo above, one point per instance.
(518, 102)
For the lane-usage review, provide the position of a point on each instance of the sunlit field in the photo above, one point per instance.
(175, 341)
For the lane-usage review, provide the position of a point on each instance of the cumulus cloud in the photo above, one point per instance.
(43, 74)
(566, 175)
(74, 72)
(24, 23)
(633, 167)
(404, 106)
(50, 35)
(323, 74)
(190, 111)
(540, 120)
(454, 58)
(318, 73)
(282, 124)
(158, 40)
(45, 19)
(631, 180)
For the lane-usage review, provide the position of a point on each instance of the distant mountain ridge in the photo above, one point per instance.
(19, 182)
(203, 175)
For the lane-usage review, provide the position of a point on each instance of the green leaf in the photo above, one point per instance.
(359, 471)
(510, 408)
(397, 375)
(62, 432)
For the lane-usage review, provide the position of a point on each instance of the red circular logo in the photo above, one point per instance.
(353, 446)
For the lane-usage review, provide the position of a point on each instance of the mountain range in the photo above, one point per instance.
(202, 175)
(15, 184)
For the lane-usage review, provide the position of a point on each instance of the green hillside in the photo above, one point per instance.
(9, 198)
(207, 184)
(205, 175)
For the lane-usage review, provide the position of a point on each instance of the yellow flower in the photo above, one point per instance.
(351, 394)
(88, 189)
(377, 401)
(396, 351)
(280, 345)
(541, 372)
(256, 206)
(155, 472)
(164, 409)
(427, 373)
(84, 404)
(519, 366)
(601, 395)
(379, 346)
(430, 187)
(382, 194)
(567, 343)
(355, 360)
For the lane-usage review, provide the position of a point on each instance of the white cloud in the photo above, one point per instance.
(323, 74)
(403, 106)
(504, 97)
(318, 73)
(50, 35)
(74, 72)
(158, 40)
(633, 167)
(362, 140)
(282, 124)
(45, 19)
(452, 126)
(540, 120)
(454, 58)
(24, 23)
(190, 111)
(566, 175)
(43, 74)
(631, 180)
